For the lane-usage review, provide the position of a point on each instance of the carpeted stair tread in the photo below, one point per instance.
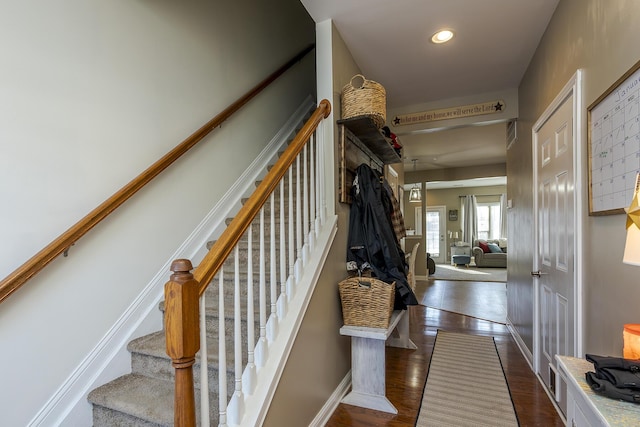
(142, 397)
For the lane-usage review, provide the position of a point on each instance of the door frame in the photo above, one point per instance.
(572, 87)
(442, 259)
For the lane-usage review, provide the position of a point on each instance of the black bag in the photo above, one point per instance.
(615, 377)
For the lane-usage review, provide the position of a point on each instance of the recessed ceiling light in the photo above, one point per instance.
(442, 36)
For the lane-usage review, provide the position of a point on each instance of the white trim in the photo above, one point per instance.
(324, 89)
(443, 240)
(110, 359)
(422, 277)
(528, 356)
(578, 233)
(572, 87)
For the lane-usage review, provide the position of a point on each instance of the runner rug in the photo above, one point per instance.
(465, 385)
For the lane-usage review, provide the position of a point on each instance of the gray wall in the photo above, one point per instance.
(92, 94)
(601, 37)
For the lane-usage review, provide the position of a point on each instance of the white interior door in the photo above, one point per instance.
(436, 228)
(554, 271)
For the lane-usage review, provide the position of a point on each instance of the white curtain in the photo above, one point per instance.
(469, 228)
(503, 216)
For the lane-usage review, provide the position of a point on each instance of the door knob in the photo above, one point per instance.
(537, 273)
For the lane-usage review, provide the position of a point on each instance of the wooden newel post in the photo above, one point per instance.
(182, 328)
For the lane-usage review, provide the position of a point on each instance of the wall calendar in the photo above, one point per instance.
(614, 145)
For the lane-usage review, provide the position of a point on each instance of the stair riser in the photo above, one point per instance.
(255, 233)
(105, 417)
(229, 304)
(229, 330)
(161, 368)
(211, 322)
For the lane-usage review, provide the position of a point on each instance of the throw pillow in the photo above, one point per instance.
(495, 249)
(483, 245)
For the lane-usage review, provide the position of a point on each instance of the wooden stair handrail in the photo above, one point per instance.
(36, 263)
(211, 263)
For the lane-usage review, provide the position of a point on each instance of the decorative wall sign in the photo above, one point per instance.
(614, 145)
(490, 107)
(453, 215)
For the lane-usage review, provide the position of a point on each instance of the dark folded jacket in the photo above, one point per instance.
(616, 370)
(615, 377)
(607, 389)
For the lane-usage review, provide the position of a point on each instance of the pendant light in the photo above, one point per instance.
(415, 196)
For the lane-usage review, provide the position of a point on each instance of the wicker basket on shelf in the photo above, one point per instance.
(364, 97)
(367, 302)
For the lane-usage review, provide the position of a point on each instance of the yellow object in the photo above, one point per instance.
(632, 245)
(631, 341)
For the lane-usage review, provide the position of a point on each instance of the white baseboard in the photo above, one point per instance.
(422, 277)
(110, 359)
(520, 343)
(332, 403)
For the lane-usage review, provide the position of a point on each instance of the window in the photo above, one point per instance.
(488, 220)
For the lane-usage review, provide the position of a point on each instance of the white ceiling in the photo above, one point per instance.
(390, 41)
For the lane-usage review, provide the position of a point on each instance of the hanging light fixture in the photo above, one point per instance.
(415, 195)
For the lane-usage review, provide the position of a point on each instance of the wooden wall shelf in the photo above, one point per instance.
(367, 132)
(360, 141)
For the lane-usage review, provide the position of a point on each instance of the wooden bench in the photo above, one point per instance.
(368, 361)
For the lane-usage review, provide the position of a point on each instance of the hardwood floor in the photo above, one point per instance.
(406, 373)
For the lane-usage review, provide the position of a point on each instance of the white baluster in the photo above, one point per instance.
(298, 263)
(249, 374)
(322, 205)
(283, 240)
(222, 356)
(261, 347)
(272, 246)
(289, 283)
(305, 203)
(314, 194)
(236, 407)
(272, 324)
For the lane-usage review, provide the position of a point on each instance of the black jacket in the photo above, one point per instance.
(372, 243)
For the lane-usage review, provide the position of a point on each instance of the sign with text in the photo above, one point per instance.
(490, 107)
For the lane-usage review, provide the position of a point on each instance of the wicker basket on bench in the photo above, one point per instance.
(367, 302)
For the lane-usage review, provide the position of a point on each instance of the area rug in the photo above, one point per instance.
(450, 272)
(465, 385)
(482, 300)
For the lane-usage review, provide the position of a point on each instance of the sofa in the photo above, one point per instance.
(486, 255)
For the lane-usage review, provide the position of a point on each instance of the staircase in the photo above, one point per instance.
(145, 397)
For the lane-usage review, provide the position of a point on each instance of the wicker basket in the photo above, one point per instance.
(367, 99)
(367, 302)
